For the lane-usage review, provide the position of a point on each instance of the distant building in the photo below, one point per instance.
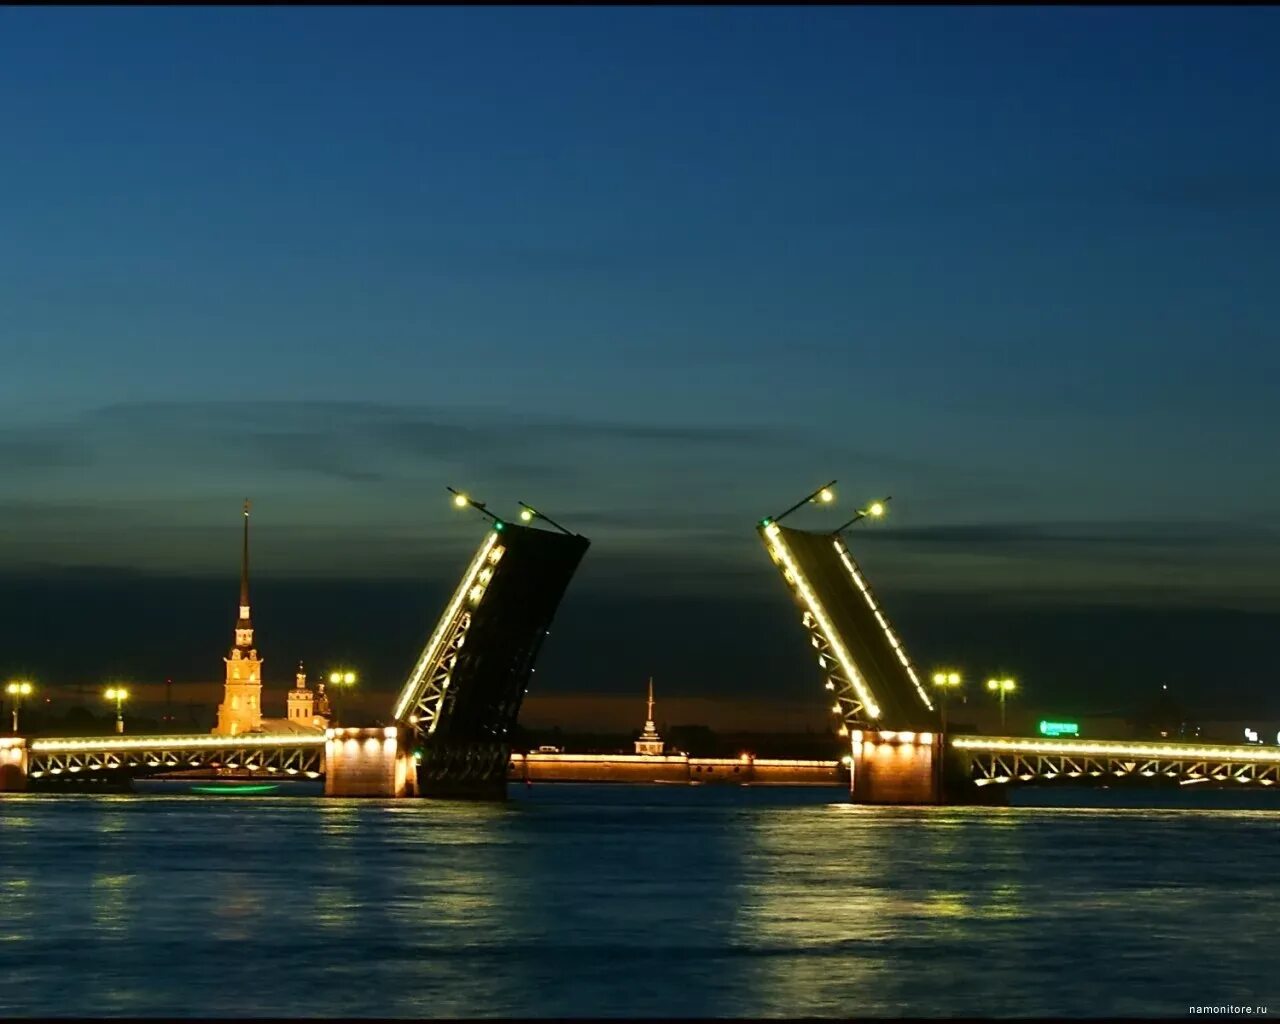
(241, 709)
(650, 742)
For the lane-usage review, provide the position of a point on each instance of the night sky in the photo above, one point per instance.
(661, 271)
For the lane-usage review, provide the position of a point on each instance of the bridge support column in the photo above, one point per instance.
(13, 764)
(368, 762)
(896, 767)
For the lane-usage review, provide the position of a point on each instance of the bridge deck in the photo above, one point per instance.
(285, 754)
(1013, 759)
(866, 664)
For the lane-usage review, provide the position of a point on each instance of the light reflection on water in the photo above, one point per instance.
(626, 901)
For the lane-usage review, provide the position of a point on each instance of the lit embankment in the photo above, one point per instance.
(676, 768)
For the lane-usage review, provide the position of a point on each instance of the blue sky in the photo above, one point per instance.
(658, 269)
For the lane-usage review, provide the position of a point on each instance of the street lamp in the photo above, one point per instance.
(341, 678)
(118, 694)
(824, 495)
(528, 514)
(875, 510)
(945, 682)
(461, 500)
(16, 690)
(1001, 688)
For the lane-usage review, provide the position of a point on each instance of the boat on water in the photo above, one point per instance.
(229, 787)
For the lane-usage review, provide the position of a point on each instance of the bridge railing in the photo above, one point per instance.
(287, 754)
(1011, 759)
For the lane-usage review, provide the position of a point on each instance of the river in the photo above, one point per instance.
(579, 900)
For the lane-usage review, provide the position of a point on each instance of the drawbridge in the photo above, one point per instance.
(462, 696)
(866, 666)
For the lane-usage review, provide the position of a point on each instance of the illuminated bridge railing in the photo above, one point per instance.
(1010, 759)
(284, 755)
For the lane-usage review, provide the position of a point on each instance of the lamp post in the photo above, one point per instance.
(118, 694)
(945, 682)
(824, 495)
(461, 500)
(339, 679)
(16, 690)
(528, 514)
(1001, 688)
(875, 510)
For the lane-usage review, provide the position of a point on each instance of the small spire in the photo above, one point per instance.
(244, 560)
(650, 716)
(244, 624)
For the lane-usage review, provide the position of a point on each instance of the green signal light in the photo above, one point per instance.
(499, 526)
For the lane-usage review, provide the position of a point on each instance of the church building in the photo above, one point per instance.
(241, 709)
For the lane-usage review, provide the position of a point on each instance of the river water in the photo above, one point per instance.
(630, 901)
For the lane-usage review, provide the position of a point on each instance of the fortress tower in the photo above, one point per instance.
(650, 742)
(304, 708)
(241, 707)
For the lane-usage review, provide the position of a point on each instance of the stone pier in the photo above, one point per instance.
(891, 767)
(368, 762)
(13, 764)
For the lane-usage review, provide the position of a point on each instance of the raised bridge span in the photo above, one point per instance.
(461, 698)
(898, 752)
(453, 716)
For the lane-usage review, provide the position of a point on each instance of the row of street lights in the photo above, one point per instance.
(19, 689)
(949, 680)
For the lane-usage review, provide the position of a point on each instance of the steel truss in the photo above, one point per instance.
(850, 706)
(851, 709)
(988, 766)
(77, 758)
(423, 697)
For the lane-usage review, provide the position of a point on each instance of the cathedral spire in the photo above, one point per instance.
(244, 561)
(244, 625)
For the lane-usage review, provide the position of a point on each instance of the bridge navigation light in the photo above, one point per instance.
(16, 690)
(118, 694)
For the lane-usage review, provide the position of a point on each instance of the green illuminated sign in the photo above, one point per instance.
(1059, 729)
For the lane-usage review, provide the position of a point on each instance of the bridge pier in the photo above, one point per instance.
(368, 762)
(13, 764)
(892, 767)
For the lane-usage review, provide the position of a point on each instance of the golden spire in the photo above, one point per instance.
(244, 625)
(649, 718)
(244, 562)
